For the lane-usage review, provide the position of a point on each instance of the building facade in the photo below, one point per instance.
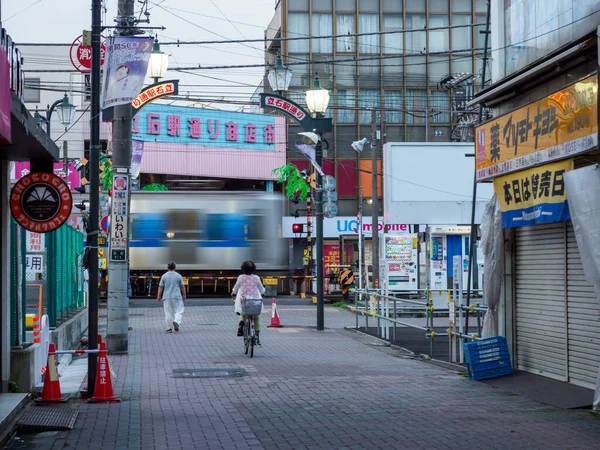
(394, 71)
(543, 134)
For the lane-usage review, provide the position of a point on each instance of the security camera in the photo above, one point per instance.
(309, 138)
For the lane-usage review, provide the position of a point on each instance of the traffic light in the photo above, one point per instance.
(297, 228)
(82, 165)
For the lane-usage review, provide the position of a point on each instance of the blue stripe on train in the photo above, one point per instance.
(156, 243)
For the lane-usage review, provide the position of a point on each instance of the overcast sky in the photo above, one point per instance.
(184, 20)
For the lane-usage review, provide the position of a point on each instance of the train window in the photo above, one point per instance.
(183, 225)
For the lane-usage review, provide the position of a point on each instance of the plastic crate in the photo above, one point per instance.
(489, 373)
(251, 306)
(487, 358)
(495, 353)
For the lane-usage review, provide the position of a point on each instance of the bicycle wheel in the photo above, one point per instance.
(252, 339)
(246, 337)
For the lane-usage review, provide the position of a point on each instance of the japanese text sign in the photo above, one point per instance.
(534, 195)
(154, 92)
(555, 127)
(331, 256)
(204, 127)
(36, 242)
(119, 220)
(34, 264)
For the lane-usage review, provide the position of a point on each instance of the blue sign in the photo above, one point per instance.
(204, 127)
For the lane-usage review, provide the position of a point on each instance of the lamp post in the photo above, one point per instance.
(279, 76)
(158, 63)
(317, 100)
(65, 110)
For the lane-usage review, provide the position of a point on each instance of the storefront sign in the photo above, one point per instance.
(331, 256)
(555, 127)
(205, 127)
(337, 226)
(287, 107)
(36, 242)
(534, 196)
(81, 55)
(154, 92)
(41, 202)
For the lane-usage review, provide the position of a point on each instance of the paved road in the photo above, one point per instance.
(333, 389)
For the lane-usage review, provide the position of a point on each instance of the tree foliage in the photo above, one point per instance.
(155, 187)
(295, 182)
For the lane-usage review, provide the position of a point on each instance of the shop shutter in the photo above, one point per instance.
(540, 300)
(583, 320)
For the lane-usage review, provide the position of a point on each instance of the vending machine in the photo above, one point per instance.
(400, 262)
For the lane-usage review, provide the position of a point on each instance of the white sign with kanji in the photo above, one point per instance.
(34, 263)
(119, 216)
(35, 242)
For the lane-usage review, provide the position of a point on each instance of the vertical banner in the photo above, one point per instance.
(331, 256)
(5, 129)
(137, 151)
(119, 228)
(534, 196)
(125, 71)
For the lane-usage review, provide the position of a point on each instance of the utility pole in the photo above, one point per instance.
(118, 271)
(92, 236)
(319, 250)
(375, 201)
(309, 246)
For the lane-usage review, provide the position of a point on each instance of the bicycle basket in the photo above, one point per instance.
(251, 306)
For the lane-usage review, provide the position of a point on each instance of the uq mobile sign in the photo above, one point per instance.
(333, 228)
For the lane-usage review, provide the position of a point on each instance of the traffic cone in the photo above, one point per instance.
(275, 323)
(51, 390)
(84, 391)
(103, 392)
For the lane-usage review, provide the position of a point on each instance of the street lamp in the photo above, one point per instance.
(317, 100)
(279, 76)
(65, 110)
(158, 63)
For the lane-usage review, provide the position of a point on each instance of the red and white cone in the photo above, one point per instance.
(51, 390)
(275, 323)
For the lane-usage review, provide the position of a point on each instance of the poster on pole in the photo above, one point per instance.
(127, 63)
(119, 219)
(137, 151)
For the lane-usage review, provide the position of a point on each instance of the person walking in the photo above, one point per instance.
(248, 285)
(171, 291)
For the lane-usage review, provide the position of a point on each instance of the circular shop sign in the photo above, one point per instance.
(41, 202)
(81, 55)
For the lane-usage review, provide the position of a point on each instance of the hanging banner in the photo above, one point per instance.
(137, 151)
(534, 196)
(125, 72)
(555, 127)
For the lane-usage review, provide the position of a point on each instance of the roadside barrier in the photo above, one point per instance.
(51, 390)
(103, 391)
(37, 338)
(275, 323)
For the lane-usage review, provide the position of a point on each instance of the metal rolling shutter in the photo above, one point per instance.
(540, 300)
(583, 320)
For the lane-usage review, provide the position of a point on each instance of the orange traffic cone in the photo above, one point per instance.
(51, 390)
(103, 392)
(84, 391)
(275, 323)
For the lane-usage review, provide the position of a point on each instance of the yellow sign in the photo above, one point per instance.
(100, 253)
(270, 281)
(102, 263)
(534, 196)
(555, 127)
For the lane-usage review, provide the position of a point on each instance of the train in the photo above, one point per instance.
(207, 233)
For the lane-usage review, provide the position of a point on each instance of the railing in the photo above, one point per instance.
(386, 308)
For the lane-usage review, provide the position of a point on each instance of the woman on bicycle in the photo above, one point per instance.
(248, 285)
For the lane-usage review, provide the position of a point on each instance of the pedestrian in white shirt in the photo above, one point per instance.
(171, 290)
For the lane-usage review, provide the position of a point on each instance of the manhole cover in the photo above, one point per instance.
(48, 418)
(208, 373)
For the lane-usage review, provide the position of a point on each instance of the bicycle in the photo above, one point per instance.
(251, 307)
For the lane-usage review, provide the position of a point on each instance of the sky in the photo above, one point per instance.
(63, 20)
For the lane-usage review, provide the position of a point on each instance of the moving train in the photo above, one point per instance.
(207, 233)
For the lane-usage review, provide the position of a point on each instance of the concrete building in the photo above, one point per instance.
(545, 130)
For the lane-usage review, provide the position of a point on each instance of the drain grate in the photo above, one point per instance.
(208, 373)
(48, 418)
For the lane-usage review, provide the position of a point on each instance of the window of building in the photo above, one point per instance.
(31, 92)
(345, 5)
(300, 72)
(481, 6)
(463, 5)
(462, 64)
(462, 37)
(368, 23)
(438, 39)
(480, 37)
(438, 6)
(416, 105)
(298, 5)
(368, 98)
(392, 43)
(346, 178)
(440, 107)
(392, 6)
(415, 6)
(439, 67)
(322, 25)
(368, 5)
(393, 106)
(346, 102)
(345, 72)
(322, 5)
(298, 27)
(345, 25)
(416, 71)
(323, 66)
(415, 41)
(369, 73)
(393, 72)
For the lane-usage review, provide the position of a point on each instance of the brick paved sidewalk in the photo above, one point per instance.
(304, 389)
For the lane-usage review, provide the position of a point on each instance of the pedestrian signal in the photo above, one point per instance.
(297, 228)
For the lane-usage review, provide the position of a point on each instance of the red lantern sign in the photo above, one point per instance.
(81, 55)
(41, 202)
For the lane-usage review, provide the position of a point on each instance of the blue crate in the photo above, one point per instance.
(489, 373)
(504, 362)
(495, 354)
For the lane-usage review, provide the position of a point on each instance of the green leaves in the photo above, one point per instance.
(295, 182)
(155, 187)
